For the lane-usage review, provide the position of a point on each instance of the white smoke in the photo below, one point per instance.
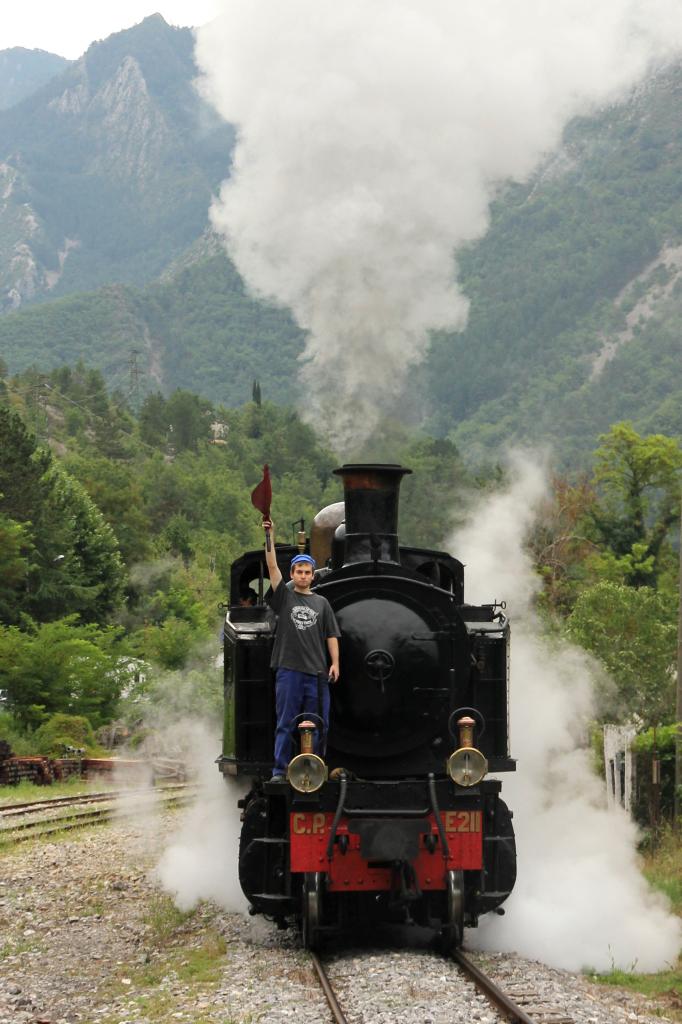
(580, 899)
(200, 853)
(200, 861)
(371, 138)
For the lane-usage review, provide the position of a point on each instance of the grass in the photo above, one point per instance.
(164, 919)
(664, 987)
(26, 791)
(15, 947)
(203, 966)
(662, 867)
(156, 1005)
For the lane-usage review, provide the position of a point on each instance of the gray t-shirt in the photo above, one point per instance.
(303, 625)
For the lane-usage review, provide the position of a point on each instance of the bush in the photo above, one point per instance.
(66, 730)
(11, 731)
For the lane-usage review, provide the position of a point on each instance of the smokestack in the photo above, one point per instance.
(371, 500)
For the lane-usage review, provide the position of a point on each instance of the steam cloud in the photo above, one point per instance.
(371, 140)
(201, 860)
(580, 899)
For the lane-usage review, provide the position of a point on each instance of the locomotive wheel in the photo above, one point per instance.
(453, 930)
(311, 910)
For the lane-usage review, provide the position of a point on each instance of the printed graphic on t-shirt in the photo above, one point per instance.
(303, 617)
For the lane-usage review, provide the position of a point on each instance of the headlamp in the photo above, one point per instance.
(307, 772)
(467, 766)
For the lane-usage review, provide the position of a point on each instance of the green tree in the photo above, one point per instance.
(153, 420)
(116, 489)
(633, 632)
(638, 482)
(92, 566)
(190, 419)
(561, 544)
(14, 550)
(63, 667)
(433, 495)
(177, 536)
(170, 643)
(75, 564)
(22, 468)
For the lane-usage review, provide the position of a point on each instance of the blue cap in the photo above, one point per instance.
(303, 558)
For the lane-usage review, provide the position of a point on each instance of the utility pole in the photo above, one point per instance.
(134, 379)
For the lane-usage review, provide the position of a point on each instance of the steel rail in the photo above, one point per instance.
(506, 1006)
(50, 826)
(17, 810)
(8, 810)
(68, 822)
(337, 1012)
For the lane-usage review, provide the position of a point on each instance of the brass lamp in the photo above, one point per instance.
(467, 765)
(307, 772)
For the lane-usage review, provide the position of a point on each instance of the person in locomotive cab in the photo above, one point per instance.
(305, 655)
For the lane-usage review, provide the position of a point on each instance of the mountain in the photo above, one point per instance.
(107, 171)
(22, 72)
(576, 292)
(197, 329)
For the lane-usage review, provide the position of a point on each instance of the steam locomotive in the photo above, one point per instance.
(400, 821)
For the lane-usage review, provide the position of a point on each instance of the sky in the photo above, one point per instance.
(68, 27)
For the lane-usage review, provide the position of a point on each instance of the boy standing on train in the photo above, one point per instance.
(305, 655)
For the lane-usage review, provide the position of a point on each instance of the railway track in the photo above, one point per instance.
(74, 813)
(10, 810)
(534, 1009)
(329, 994)
(525, 1008)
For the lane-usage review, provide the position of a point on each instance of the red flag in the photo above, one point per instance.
(261, 497)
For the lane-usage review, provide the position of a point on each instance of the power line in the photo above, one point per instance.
(32, 389)
(102, 419)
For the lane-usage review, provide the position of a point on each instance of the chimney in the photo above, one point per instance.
(371, 500)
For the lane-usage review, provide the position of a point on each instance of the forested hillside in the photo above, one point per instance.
(117, 530)
(197, 329)
(575, 296)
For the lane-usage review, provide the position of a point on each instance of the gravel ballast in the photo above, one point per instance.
(86, 935)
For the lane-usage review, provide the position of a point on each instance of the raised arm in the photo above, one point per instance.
(270, 556)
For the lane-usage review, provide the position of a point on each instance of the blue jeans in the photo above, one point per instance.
(297, 693)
